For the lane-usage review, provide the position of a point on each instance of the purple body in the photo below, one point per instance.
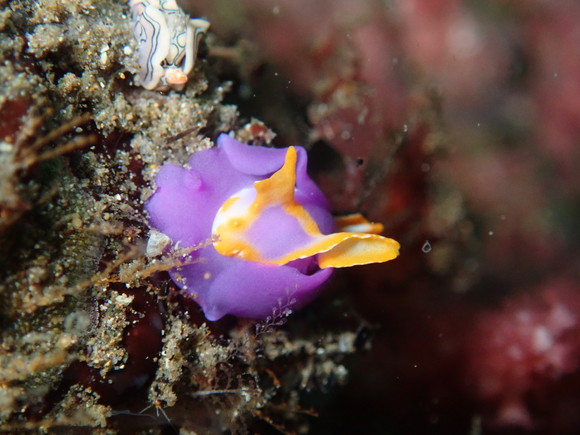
(185, 204)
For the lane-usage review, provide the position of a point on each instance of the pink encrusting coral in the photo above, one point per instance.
(555, 87)
(516, 354)
(452, 49)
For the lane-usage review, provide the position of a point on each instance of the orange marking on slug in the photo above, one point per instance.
(356, 222)
(341, 249)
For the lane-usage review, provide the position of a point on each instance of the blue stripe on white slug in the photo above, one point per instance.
(152, 45)
(168, 42)
(195, 31)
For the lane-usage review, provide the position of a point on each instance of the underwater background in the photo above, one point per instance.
(456, 124)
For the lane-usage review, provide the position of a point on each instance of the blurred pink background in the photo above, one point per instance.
(457, 124)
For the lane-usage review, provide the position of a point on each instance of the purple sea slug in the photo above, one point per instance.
(269, 229)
